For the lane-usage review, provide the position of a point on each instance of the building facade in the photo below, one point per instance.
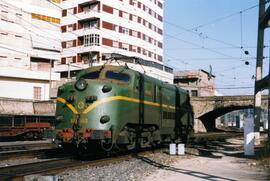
(95, 30)
(29, 46)
(43, 39)
(196, 82)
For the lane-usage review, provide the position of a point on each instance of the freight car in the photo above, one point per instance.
(114, 106)
(25, 131)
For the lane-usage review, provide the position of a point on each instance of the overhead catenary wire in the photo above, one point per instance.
(223, 17)
(193, 48)
(197, 45)
(194, 29)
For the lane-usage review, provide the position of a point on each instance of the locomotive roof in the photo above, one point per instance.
(113, 67)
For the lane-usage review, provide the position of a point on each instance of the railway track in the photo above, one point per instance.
(54, 166)
(16, 146)
(25, 149)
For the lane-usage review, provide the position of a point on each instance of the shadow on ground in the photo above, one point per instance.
(183, 171)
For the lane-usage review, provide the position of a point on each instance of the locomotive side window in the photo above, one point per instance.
(117, 76)
(91, 75)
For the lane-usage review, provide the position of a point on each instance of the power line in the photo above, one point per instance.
(196, 45)
(201, 35)
(215, 58)
(224, 17)
(193, 48)
(191, 30)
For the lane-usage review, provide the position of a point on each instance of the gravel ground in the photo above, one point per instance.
(218, 161)
(134, 169)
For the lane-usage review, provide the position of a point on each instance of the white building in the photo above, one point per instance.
(29, 44)
(34, 45)
(93, 30)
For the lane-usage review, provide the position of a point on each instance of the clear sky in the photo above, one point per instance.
(200, 33)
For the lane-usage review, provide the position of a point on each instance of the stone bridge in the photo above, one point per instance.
(208, 109)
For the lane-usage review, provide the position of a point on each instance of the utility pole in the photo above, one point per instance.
(269, 106)
(259, 64)
(261, 83)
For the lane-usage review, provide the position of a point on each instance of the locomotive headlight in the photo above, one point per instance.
(106, 88)
(104, 119)
(81, 84)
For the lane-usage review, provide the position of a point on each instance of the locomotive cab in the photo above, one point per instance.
(87, 109)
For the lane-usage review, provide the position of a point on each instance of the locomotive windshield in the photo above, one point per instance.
(117, 76)
(91, 75)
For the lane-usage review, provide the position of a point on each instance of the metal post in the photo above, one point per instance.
(90, 59)
(259, 64)
(50, 81)
(68, 70)
(268, 138)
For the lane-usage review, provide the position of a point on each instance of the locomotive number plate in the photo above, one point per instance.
(96, 135)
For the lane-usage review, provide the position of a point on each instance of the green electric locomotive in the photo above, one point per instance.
(114, 106)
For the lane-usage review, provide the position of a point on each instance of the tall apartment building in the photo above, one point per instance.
(29, 45)
(94, 31)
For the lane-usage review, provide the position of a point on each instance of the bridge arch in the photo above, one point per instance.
(208, 109)
(209, 118)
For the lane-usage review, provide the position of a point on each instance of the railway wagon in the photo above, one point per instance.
(114, 106)
(24, 128)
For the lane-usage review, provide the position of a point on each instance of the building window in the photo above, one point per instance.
(125, 30)
(134, 33)
(135, 18)
(134, 48)
(115, 44)
(194, 93)
(91, 40)
(37, 93)
(69, 60)
(69, 44)
(90, 24)
(125, 15)
(70, 28)
(124, 46)
(70, 11)
(115, 28)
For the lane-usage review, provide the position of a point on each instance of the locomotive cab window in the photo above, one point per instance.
(117, 76)
(91, 75)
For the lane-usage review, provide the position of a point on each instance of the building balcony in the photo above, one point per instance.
(81, 49)
(88, 15)
(82, 2)
(87, 31)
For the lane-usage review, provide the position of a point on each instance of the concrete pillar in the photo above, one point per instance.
(259, 65)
